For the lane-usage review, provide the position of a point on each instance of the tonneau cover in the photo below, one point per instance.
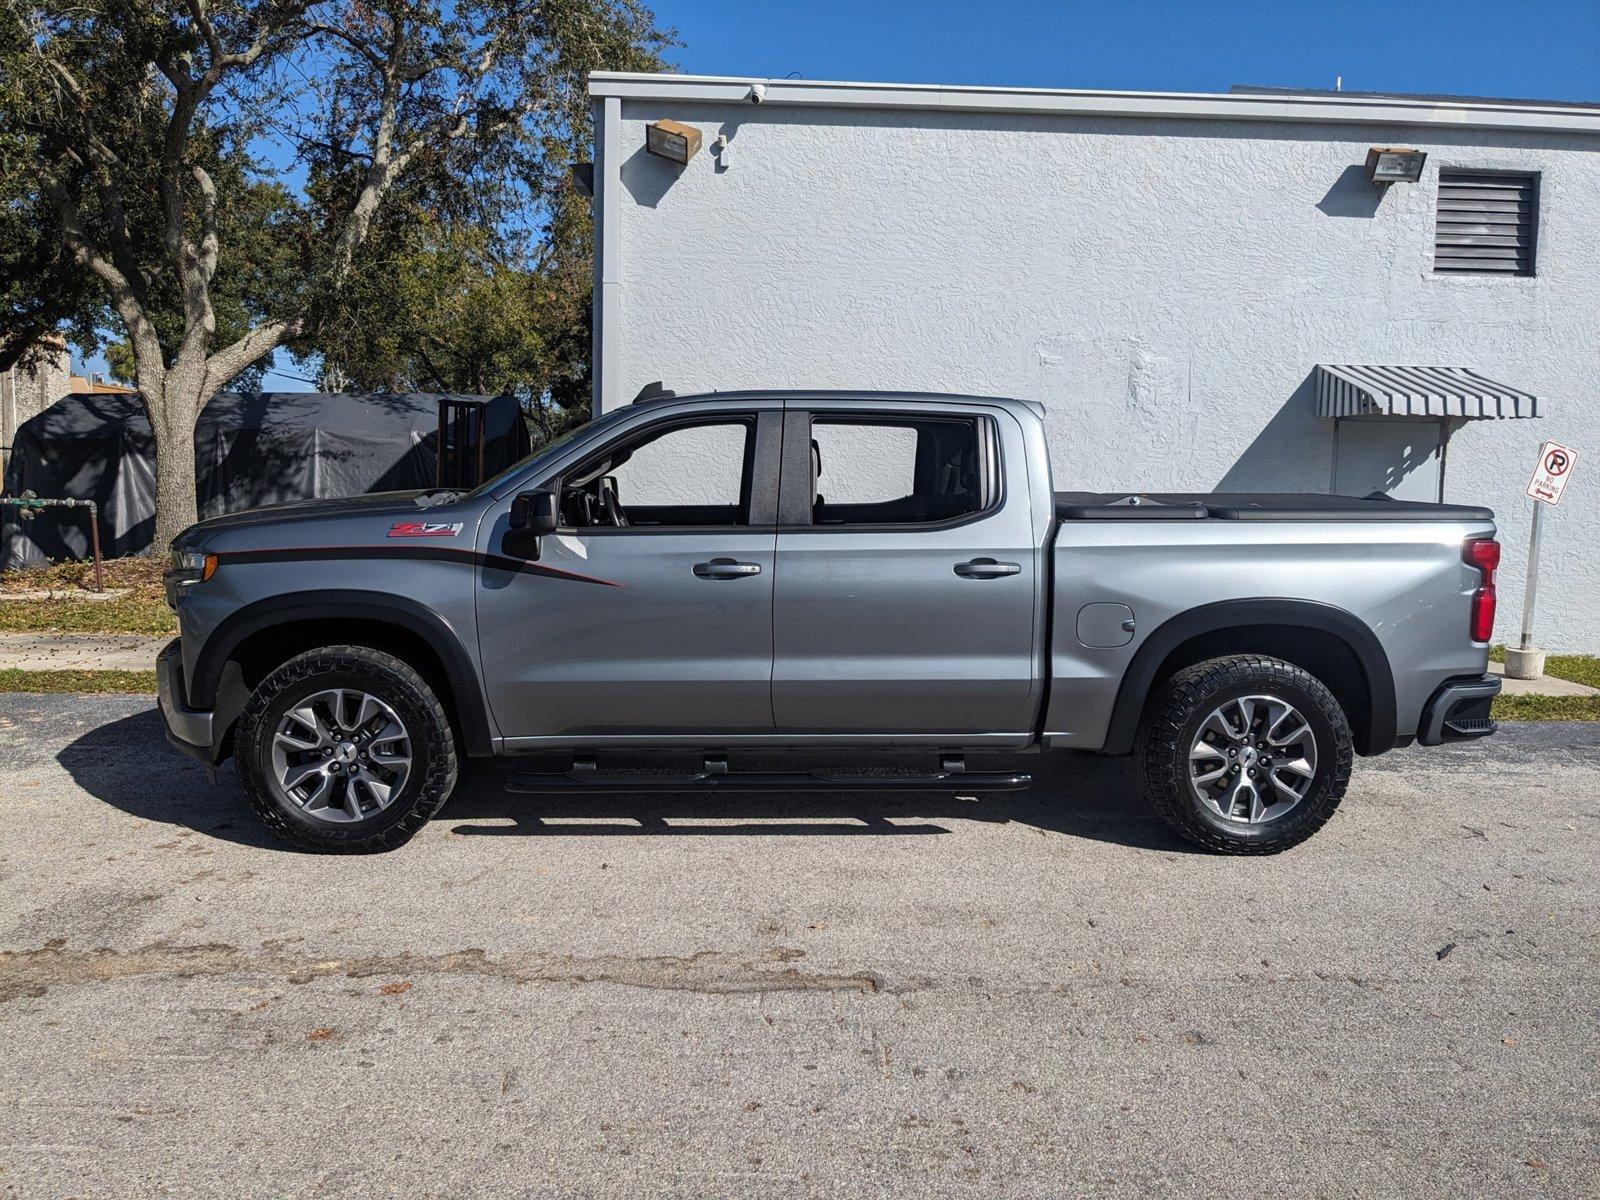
(1254, 506)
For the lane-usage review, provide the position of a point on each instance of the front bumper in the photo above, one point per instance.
(190, 730)
(1459, 711)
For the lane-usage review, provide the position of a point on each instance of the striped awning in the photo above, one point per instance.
(1365, 391)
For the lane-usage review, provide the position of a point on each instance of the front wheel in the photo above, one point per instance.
(1245, 754)
(345, 749)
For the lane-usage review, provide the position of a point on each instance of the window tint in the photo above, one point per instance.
(694, 474)
(884, 471)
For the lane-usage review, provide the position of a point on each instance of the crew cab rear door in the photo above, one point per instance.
(907, 578)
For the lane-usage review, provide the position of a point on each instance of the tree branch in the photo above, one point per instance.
(360, 45)
(99, 163)
(230, 360)
(125, 298)
(207, 256)
(387, 164)
(196, 265)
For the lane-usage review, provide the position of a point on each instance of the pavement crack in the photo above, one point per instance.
(32, 973)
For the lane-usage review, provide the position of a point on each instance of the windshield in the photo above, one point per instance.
(560, 443)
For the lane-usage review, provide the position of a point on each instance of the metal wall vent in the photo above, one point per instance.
(1487, 223)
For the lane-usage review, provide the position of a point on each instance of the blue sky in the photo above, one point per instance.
(1539, 49)
(1511, 48)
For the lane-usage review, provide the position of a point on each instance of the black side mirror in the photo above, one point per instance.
(533, 514)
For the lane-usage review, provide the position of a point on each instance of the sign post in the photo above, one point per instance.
(1550, 475)
(1531, 592)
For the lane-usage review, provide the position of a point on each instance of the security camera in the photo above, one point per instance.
(758, 93)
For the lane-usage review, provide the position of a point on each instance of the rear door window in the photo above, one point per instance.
(898, 471)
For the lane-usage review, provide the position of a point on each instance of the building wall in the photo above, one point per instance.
(1163, 286)
(27, 392)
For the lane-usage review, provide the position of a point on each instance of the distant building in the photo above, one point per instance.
(27, 392)
(1206, 292)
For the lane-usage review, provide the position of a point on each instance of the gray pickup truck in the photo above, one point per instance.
(822, 572)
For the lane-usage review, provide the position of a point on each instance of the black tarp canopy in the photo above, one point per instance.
(250, 449)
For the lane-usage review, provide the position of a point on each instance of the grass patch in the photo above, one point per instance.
(143, 609)
(1546, 708)
(1579, 668)
(134, 683)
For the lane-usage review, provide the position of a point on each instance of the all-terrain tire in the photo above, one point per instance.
(383, 676)
(1174, 719)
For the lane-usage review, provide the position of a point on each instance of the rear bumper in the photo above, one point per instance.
(1459, 711)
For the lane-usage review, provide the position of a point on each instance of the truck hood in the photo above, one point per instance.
(374, 504)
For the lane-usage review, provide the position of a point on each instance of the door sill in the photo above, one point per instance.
(770, 741)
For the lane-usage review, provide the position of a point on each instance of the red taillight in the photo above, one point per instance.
(1484, 555)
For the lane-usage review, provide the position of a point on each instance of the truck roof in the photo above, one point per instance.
(653, 394)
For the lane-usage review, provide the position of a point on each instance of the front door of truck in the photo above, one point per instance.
(907, 584)
(649, 612)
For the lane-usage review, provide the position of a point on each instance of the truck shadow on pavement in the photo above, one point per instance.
(127, 764)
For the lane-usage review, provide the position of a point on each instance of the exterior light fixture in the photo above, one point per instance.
(672, 140)
(1394, 164)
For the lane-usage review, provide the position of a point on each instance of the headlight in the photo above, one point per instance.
(189, 567)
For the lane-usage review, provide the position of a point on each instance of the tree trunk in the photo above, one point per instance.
(173, 411)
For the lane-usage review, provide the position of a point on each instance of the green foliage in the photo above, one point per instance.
(1579, 668)
(135, 601)
(1546, 708)
(41, 288)
(257, 219)
(226, 176)
(440, 304)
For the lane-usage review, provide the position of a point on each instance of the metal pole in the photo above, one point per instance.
(1532, 592)
(1444, 453)
(94, 540)
(438, 462)
(483, 430)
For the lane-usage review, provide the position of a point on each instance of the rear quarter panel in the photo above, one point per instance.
(1406, 581)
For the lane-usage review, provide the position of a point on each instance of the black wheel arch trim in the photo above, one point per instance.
(1357, 636)
(466, 690)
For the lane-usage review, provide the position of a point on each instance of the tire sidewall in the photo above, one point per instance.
(1328, 727)
(278, 695)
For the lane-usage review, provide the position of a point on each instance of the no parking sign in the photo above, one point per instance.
(1551, 473)
(1549, 480)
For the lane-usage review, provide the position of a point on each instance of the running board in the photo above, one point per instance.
(717, 778)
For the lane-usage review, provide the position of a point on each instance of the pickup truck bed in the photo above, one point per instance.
(1253, 506)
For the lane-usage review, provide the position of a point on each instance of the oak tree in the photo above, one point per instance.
(181, 144)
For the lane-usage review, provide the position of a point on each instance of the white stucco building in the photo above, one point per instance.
(1166, 273)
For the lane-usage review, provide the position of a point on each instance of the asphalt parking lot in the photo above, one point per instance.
(1042, 994)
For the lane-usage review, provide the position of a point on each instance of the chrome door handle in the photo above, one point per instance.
(987, 568)
(726, 568)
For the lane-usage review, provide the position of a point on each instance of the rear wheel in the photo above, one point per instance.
(1245, 754)
(345, 749)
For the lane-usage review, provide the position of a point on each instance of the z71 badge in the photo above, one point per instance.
(424, 529)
